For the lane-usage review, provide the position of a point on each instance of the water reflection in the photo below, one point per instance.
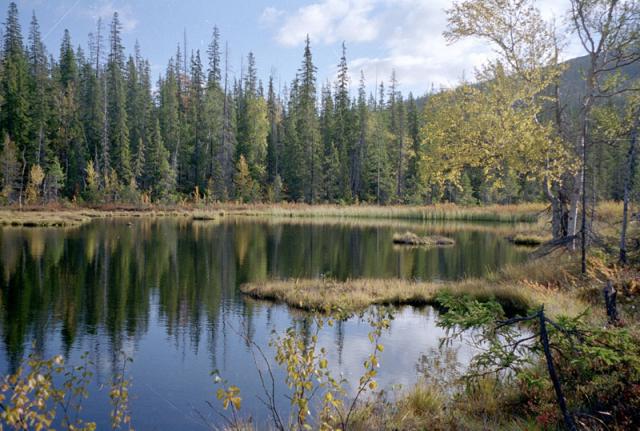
(166, 291)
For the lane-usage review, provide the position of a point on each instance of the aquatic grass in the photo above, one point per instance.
(529, 212)
(42, 218)
(201, 215)
(529, 239)
(76, 217)
(410, 238)
(517, 288)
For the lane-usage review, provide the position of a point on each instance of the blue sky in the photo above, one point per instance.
(381, 35)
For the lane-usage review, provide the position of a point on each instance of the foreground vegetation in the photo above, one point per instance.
(507, 386)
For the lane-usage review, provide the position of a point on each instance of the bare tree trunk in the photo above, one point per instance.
(558, 228)
(584, 227)
(544, 340)
(572, 218)
(610, 296)
(628, 182)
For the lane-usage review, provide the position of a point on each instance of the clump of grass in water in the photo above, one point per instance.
(410, 238)
(529, 240)
(204, 215)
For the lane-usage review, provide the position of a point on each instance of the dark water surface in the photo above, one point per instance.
(165, 292)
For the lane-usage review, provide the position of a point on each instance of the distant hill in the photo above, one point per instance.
(572, 81)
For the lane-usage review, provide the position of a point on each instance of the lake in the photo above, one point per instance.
(166, 293)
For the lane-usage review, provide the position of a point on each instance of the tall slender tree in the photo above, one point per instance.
(116, 105)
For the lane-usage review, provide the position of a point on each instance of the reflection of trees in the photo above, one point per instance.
(103, 280)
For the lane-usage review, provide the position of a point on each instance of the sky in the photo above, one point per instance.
(380, 35)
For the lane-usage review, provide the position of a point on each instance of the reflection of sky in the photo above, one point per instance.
(172, 382)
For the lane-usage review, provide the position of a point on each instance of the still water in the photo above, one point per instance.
(165, 292)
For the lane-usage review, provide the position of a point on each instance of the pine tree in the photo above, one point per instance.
(215, 74)
(331, 160)
(9, 170)
(293, 150)
(274, 150)
(214, 119)
(379, 172)
(253, 124)
(169, 113)
(227, 149)
(120, 156)
(415, 188)
(397, 128)
(308, 132)
(158, 170)
(68, 140)
(343, 127)
(198, 131)
(53, 181)
(360, 150)
(39, 89)
(14, 115)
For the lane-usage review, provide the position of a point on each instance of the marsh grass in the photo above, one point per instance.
(517, 288)
(529, 212)
(75, 217)
(410, 238)
(43, 218)
(529, 239)
(200, 215)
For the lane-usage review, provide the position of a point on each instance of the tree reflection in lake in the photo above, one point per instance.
(166, 291)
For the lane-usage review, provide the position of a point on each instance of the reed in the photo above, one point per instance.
(492, 213)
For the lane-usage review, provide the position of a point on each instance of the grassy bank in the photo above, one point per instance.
(73, 215)
(529, 212)
(46, 217)
(516, 288)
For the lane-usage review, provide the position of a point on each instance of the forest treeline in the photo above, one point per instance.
(92, 126)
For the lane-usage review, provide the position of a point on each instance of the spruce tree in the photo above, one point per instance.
(39, 91)
(343, 127)
(68, 139)
(308, 132)
(331, 160)
(197, 127)
(14, 115)
(274, 150)
(253, 124)
(415, 187)
(214, 75)
(293, 147)
(360, 150)
(116, 106)
(160, 175)
(10, 170)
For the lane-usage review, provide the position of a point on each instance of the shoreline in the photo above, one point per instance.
(56, 216)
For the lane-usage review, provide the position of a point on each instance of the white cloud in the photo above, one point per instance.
(326, 22)
(407, 33)
(415, 48)
(270, 16)
(105, 10)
